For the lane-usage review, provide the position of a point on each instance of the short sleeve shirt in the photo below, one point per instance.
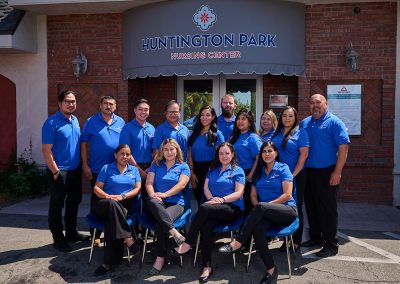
(247, 147)
(140, 140)
(201, 152)
(103, 138)
(166, 130)
(223, 184)
(325, 134)
(267, 136)
(269, 187)
(290, 154)
(116, 182)
(64, 135)
(165, 179)
(226, 127)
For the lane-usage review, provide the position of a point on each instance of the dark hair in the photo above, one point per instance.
(292, 130)
(250, 117)
(216, 162)
(121, 146)
(140, 101)
(261, 163)
(107, 97)
(211, 135)
(171, 102)
(61, 96)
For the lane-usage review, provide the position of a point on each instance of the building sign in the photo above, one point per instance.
(212, 37)
(344, 101)
(278, 101)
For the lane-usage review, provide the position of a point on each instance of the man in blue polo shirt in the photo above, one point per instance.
(60, 147)
(329, 145)
(171, 128)
(226, 120)
(100, 137)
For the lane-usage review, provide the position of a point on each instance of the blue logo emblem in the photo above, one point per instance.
(204, 18)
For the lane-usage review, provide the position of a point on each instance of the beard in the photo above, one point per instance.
(227, 113)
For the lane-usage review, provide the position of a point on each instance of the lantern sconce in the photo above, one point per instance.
(352, 58)
(79, 64)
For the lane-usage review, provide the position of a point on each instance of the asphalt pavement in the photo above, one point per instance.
(369, 252)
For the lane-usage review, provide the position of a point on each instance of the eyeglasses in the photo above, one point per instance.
(68, 102)
(173, 112)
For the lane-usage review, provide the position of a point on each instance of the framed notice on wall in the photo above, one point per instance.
(278, 101)
(344, 101)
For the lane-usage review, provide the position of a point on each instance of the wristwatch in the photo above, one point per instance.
(123, 195)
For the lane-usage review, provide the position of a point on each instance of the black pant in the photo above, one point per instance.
(66, 189)
(200, 169)
(263, 216)
(116, 229)
(207, 217)
(143, 192)
(164, 214)
(300, 183)
(93, 197)
(321, 205)
(246, 195)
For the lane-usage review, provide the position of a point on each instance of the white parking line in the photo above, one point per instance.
(390, 258)
(393, 235)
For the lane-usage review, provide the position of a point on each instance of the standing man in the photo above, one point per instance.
(60, 147)
(329, 145)
(100, 138)
(171, 128)
(139, 134)
(226, 120)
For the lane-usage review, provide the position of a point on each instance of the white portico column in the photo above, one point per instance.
(396, 169)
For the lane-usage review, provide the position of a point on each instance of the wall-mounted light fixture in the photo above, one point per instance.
(79, 64)
(352, 58)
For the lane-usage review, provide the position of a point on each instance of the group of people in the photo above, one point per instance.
(233, 171)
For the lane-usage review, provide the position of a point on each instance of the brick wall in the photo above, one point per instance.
(367, 176)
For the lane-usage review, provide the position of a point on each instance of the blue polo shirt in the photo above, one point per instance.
(64, 135)
(269, 187)
(226, 127)
(201, 152)
(223, 184)
(165, 179)
(247, 147)
(115, 182)
(103, 138)
(290, 154)
(140, 140)
(325, 134)
(267, 136)
(165, 130)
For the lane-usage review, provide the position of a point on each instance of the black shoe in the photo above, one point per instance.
(134, 248)
(328, 250)
(227, 249)
(312, 243)
(62, 246)
(101, 270)
(204, 279)
(268, 278)
(77, 237)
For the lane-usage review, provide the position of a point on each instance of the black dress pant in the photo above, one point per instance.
(263, 216)
(67, 189)
(246, 195)
(207, 217)
(321, 205)
(300, 183)
(113, 214)
(200, 169)
(164, 215)
(93, 197)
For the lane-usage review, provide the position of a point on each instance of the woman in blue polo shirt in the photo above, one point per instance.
(202, 145)
(293, 144)
(116, 185)
(268, 124)
(223, 189)
(168, 175)
(271, 194)
(247, 146)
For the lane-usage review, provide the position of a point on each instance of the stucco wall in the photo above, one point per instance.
(29, 73)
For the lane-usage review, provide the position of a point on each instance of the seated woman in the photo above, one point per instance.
(271, 194)
(223, 189)
(166, 178)
(116, 185)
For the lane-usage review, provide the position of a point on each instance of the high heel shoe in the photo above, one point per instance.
(204, 279)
